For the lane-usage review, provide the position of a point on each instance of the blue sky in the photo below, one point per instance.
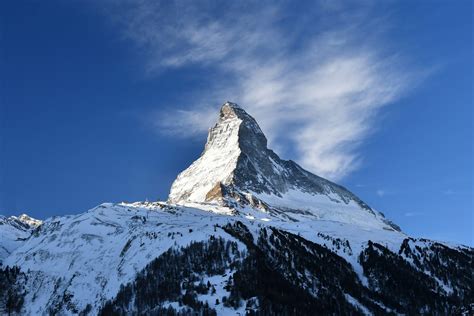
(108, 101)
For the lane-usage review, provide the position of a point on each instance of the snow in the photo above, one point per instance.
(14, 231)
(87, 254)
(90, 255)
(325, 208)
(219, 282)
(424, 245)
(214, 166)
(32, 222)
(357, 304)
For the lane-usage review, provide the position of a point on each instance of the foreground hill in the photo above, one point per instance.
(243, 232)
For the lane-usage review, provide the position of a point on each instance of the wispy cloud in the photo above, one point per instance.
(449, 192)
(412, 214)
(315, 79)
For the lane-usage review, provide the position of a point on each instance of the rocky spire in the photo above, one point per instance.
(236, 155)
(219, 159)
(237, 166)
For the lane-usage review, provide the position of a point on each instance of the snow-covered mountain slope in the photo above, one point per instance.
(88, 256)
(243, 232)
(236, 168)
(14, 231)
(91, 254)
(78, 263)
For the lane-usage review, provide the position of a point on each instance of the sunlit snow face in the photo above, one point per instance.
(214, 166)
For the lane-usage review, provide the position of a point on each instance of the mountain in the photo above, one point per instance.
(237, 169)
(242, 232)
(14, 231)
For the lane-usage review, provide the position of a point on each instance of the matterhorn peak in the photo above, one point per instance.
(233, 120)
(236, 169)
(231, 104)
(220, 157)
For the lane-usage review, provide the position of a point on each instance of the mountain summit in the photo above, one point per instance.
(237, 169)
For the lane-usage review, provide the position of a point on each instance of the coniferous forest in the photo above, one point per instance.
(284, 274)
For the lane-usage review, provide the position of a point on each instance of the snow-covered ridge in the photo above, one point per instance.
(30, 221)
(90, 255)
(21, 222)
(87, 257)
(14, 231)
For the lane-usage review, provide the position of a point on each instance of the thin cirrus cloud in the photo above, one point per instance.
(380, 192)
(315, 80)
(413, 214)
